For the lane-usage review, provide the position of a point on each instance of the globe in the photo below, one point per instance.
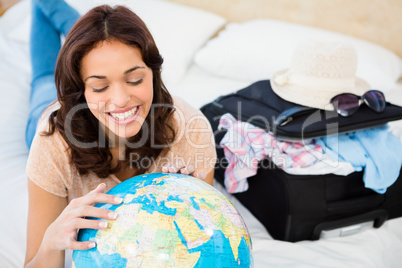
(168, 220)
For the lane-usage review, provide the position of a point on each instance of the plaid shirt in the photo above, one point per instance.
(245, 145)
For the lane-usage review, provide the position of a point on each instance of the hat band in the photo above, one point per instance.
(337, 84)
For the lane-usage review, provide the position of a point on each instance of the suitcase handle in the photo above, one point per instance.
(379, 216)
(368, 202)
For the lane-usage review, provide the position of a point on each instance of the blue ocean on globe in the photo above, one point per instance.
(168, 220)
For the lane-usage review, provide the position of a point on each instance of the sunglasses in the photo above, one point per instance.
(347, 104)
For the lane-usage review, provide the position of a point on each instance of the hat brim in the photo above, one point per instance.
(315, 98)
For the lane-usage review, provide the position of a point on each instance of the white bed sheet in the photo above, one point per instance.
(372, 248)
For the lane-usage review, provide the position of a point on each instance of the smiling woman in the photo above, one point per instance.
(113, 119)
(122, 99)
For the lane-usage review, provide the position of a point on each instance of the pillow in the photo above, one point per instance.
(179, 31)
(256, 49)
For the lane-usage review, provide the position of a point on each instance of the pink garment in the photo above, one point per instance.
(245, 145)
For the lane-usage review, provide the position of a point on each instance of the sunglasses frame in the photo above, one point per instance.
(360, 100)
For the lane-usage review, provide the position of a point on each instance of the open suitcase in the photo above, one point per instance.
(296, 207)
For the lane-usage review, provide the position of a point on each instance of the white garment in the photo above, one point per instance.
(326, 165)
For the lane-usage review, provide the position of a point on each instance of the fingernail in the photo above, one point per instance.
(91, 245)
(112, 215)
(172, 169)
(118, 199)
(97, 187)
(183, 170)
(164, 169)
(103, 224)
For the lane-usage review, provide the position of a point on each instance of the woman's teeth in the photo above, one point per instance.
(124, 116)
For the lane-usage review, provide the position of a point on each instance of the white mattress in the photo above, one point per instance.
(372, 248)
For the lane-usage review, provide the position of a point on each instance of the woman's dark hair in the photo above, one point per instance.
(89, 152)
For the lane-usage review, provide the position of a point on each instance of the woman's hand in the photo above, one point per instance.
(180, 167)
(62, 233)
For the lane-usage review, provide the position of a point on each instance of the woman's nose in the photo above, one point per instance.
(120, 95)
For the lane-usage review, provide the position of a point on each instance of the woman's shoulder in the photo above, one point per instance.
(47, 144)
(189, 118)
(194, 143)
(54, 140)
(184, 107)
(48, 163)
(186, 115)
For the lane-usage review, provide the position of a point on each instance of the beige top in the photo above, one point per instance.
(49, 161)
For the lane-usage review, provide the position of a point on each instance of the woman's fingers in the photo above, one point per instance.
(201, 175)
(187, 170)
(100, 188)
(173, 167)
(90, 211)
(179, 166)
(74, 245)
(96, 196)
(63, 231)
(81, 223)
(100, 197)
(165, 168)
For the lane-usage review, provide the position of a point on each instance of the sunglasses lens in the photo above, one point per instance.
(375, 100)
(346, 104)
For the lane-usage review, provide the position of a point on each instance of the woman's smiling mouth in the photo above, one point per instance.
(125, 117)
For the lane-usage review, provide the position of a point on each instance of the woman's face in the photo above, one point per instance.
(118, 87)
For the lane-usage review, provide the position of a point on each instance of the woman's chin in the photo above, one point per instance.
(126, 133)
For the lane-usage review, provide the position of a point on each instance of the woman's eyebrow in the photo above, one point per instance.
(133, 69)
(104, 77)
(95, 76)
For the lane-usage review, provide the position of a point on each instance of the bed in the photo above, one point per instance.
(208, 56)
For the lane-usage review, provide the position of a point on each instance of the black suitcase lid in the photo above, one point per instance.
(260, 106)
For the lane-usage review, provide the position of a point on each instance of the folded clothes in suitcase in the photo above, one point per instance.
(304, 207)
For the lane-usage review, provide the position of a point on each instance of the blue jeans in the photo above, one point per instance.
(50, 19)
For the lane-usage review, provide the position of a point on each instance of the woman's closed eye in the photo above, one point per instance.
(134, 83)
(99, 89)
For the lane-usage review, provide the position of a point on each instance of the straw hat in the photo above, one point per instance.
(318, 72)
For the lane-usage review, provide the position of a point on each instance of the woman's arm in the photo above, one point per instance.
(53, 223)
(44, 208)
